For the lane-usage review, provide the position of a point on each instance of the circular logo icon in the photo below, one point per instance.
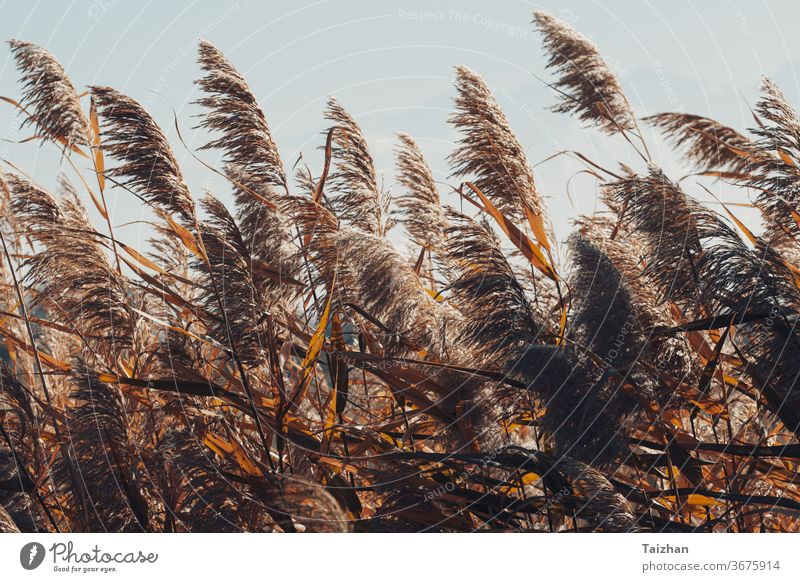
(31, 555)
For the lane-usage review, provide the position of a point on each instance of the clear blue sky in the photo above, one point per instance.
(391, 64)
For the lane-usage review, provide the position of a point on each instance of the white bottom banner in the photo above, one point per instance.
(396, 557)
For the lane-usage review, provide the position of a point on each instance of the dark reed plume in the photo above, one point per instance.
(671, 353)
(667, 221)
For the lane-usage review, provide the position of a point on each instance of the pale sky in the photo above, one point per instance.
(391, 65)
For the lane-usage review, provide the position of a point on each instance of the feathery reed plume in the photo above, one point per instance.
(238, 310)
(71, 272)
(495, 322)
(100, 444)
(665, 352)
(147, 165)
(499, 320)
(7, 524)
(743, 278)
(775, 173)
(235, 114)
(759, 282)
(178, 360)
(707, 144)
(587, 86)
(607, 323)
(698, 259)
(375, 277)
(15, 402)
(575, 397)
(265, 230)
(55, 109)
(666, 219)
(310, 506)
(421, 209)
(250, 154)
(378, 285)
(501, 329)
(19, 421)
(20, 427)
(489, 150)
(605, 319)
(681, 237)
(599, 502)
(356, 198)
(202, 499)
(317, 224)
